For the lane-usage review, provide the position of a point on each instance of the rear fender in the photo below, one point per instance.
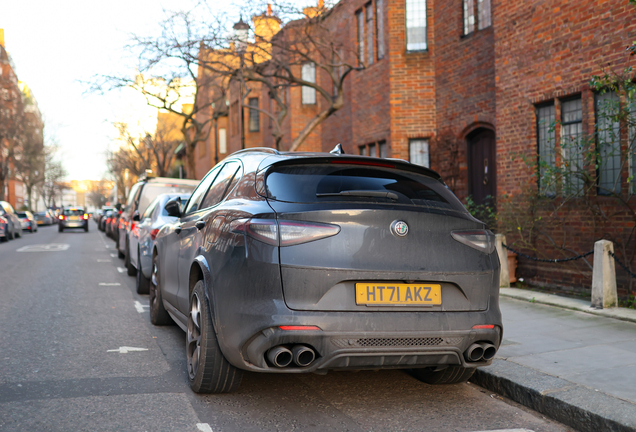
(200, 270)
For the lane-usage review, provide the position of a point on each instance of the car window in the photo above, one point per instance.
(22, 215)
(132, 194)
(73, 212)
(153, 190)
(151, 208)
(199, 192)
(311, 183)
(220, 186)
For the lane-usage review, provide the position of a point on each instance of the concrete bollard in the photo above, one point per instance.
(504, 274)
(604, 276)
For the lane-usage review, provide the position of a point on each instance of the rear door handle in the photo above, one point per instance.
(200, 224)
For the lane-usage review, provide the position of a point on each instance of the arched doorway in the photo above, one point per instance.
(482, 166)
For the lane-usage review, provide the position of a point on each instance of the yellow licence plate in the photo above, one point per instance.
(74, 218)
(390, 294)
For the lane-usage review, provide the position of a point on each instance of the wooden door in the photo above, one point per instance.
(483, 175)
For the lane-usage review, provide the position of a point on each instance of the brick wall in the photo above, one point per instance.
(546, 51)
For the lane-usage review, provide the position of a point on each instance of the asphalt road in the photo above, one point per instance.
(78, 353)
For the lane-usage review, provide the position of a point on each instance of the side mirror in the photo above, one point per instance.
(136, 216)
(173, 207)
(118, 206)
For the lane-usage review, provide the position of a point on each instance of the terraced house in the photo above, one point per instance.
(496, 96)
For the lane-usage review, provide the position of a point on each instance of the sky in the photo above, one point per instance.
(58, 45)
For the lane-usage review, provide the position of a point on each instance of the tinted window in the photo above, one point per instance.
(197, 195)
(133, 192)
(153, 190)
(322, 183)
(220, 186)
(22, 215)
(73, 212)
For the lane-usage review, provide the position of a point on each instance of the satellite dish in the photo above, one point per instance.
(337, 149)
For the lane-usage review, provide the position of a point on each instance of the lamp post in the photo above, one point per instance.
(241, 33)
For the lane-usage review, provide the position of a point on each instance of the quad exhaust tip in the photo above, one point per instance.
(281, 356)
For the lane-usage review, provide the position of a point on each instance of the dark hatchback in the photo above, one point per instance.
(309, 262)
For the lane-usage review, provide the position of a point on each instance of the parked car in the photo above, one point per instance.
(142, 237)
(44, 218)
(27, 221)
(99, 215)
(73, 217)
(13, 222)
(141, 195)
(4, 225)
(309, 262)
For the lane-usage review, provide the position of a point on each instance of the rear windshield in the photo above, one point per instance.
(22, 215)
(323, 183)
(73, 212)
(152, 191)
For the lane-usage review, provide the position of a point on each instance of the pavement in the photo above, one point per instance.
(575, 364)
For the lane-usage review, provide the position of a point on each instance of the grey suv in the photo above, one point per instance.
(73, 217)
(310, 262)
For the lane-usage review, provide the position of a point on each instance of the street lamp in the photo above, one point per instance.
(241, 33)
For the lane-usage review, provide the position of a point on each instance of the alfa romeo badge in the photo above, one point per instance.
(399, 228)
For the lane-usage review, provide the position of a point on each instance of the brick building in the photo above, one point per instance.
(469, 88)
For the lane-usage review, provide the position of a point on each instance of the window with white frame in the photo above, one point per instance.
(469, 16)
(418, 152)
(254, 121)
(416, 25)
(309, 75)
(608, 143)
(483, 13)
(222, 141)
(546, 144)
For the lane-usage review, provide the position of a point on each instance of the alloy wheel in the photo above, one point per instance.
(152, 294)
(194, 336)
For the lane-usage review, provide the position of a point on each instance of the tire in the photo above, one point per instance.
(86, 228)
(60, 228)
(130, 269)
(450, 375)
(120, 254)
(158, 314)
(142, 281)
(10, 235)
(208, 370)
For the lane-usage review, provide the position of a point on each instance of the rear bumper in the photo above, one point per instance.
(74, 224)
(366, 340)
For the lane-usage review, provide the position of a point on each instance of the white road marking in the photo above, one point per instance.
(204, 427)
(50, 247)
(109, 284)
(125, 349)
(140, 307)
(113, 255)
(121, 269)
(508, 430)
(103, 260)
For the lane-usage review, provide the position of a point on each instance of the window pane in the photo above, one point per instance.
(363, 150)
(372, 150)
(415, 25)
(469, 16)
(382, 146)
(219, 187)
(360, 22)
(418, 153)
(609, 146)
(222, 141)
(571, 146)
(631, 145)
(379, 18)
(202, 188)
(254, 125)
(483, 9)
(309, 75)
(547, 155)
(369, 30)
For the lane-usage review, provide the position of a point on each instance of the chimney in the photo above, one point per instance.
(269, 9)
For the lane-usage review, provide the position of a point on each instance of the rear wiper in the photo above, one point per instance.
(362, 193)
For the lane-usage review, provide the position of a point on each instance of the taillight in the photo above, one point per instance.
(153, 233)
(283, 233)
(85, 216)
(61, 217)
(482, 240)
(298, 327)
(132, 226)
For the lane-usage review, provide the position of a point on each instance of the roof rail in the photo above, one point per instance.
(258, 149)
